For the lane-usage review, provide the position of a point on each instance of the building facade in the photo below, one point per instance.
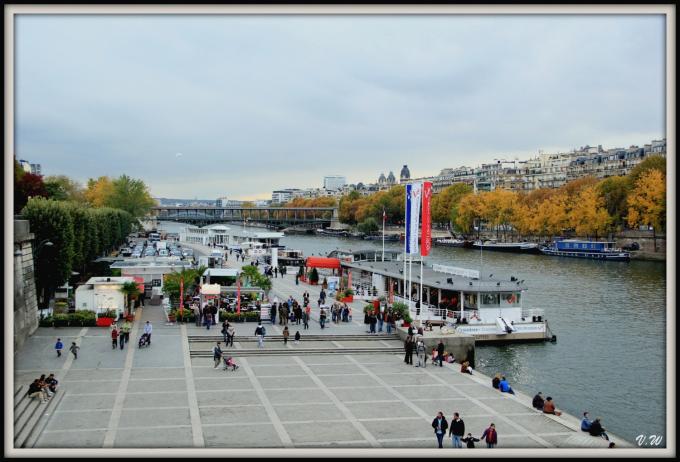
(334, 182)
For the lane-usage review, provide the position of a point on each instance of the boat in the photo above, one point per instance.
(492, 310)
(515, 247)
(333, 232)
(593, 250)
(287, 257)
(379, 237)
(452, 242)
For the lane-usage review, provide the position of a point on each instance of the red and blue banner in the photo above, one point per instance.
(413, 202)
(426, 232)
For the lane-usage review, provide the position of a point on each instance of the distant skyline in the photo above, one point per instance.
(238, 106)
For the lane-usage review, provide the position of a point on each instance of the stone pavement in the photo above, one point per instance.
(160, 397)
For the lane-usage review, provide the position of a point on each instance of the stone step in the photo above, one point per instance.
(298, 351)
(21, 404)
(25, 423)
(315, 337)
(42, 418)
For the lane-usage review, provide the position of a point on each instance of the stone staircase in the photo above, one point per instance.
(31, 416)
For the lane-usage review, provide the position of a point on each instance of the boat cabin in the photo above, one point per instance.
(575, 245)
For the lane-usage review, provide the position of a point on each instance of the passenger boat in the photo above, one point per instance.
(490, 309)
(333, 232)
(287, 257)
(452, 242)
(594, 250)
(379, 237)
(516, 247)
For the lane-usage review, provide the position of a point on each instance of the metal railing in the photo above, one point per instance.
(528, 313)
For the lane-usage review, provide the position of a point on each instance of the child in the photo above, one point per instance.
(297, 337)
(435, 353)
(74, 349)
(470, 441)
(285, 335)
(114, 338)
(59, 346)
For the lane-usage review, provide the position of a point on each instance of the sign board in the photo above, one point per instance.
(156, 282)
(210, 289)
(333, 284)
(468, 273)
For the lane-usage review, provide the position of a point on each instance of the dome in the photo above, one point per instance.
(405, 174)
(391, 179)
(382, 178)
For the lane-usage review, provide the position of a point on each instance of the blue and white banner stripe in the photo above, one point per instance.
(413, 201)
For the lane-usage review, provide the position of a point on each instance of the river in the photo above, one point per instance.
(610, 322)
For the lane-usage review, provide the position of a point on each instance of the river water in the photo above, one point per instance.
(610, 322)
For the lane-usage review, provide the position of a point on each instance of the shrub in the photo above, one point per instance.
(349, 292)
(369, 309)
(109, 314)
(314, 276)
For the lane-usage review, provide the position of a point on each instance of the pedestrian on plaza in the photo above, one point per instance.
(322, 296)
(305, 319)
(408, 347)
(225, 325)
(286, 333)
(372, 319)
(114, 338)
(214, 315)
(260, 332)
(322, 318)
(58, 346)
(147, 330)
(297, 337)
(388, 322)
(491, 436)
(381, 320)
(74, 349)
(231, 333)
(52, 383)
(440, 425)
(296, 280)
(276, 272)
(36, 391)
(197, 315)
(456, 430)
(470, 441)
(125, 338)
(207, 317)
(420, 352)
(440, 353)
(538, 402)
(217, 354)
(273, 311)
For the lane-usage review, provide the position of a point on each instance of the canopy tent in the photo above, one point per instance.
(322, 262)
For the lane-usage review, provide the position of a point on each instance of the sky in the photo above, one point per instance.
(237, 106)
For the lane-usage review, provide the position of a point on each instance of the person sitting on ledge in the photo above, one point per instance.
(549, 407)
(597, 430)
(505, 387)
(586, 423)
(537, 403)
(496, 381)
(465, 368)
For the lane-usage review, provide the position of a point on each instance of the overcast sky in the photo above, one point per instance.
(259, 103)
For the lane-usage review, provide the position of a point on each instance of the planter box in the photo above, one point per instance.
(104, 322)
(349, 299)
(405, 324)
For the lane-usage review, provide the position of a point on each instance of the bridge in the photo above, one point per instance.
(275, 217)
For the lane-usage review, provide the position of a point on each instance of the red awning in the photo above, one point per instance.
(322, 262)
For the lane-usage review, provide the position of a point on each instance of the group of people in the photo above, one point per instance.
(501, 384)
(291, 311)
(228, 332)
(546, 405)
(273, 271)
(60, 346)
(219, 356)
(206, 316)
(43, 388)
(379, 319)
(594, 427)
(457, 432)
(120, 335)
(417, 343)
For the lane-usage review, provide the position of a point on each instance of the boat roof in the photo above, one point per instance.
(583, 240)
(221, 272)
(435, 279)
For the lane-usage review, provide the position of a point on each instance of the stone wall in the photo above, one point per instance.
(26, 314)
(462, 346)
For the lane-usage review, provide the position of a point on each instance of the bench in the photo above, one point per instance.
(31, 416)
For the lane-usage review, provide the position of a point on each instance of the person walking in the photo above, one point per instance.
(125, 337)
(58, 346)
(457, 430)
(381, 320)
(408, 347)
(207, 317)
(491, 436)
(225, 325)
(231, 333)
(197, 315)
(74, 349)
(440, 353)
(217, 354)
(388, 322)
(276, 272)
(305, 319)
(147, 330)
(440, 425)
(273, 311)
(286, 333)
(420, 352)
(322, 318)
(259, 332)
(114, 338)
(297, 337)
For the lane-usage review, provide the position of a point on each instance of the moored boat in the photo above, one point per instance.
(516, 247)
(593, 250)
(452, 242)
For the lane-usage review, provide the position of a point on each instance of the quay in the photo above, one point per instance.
(169, 395)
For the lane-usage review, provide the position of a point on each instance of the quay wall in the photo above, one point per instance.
(462, 346)
(26, 315)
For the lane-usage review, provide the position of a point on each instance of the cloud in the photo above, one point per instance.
(268, 102)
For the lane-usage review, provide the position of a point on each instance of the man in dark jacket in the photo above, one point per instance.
(597, 430)
(470, 441)
(440, 425)
(408, 347)
(457, 430)
(537, 403)
(440, 355)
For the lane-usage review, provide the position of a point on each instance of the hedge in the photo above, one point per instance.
(80, 318)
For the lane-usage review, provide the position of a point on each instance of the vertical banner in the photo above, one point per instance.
(426, 233)
(238, 295)
(413, 200)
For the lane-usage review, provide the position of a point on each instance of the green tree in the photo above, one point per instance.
(132, 196)
(614, 191)
(653, 162)
(130, 290)
(368, 226)
(61, 187)
(50, 221)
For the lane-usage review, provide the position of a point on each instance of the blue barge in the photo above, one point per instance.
(594, 250)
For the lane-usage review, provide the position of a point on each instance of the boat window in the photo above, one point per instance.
(510, 298)
(490, 299)
(470, 300)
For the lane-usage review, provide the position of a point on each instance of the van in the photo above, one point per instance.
(162, 253)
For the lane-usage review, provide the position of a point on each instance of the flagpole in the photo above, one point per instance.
(383, 252)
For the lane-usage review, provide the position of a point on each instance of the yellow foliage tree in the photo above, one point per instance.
(99, 191)
(588, 215)
(647, 202)
(470, 212)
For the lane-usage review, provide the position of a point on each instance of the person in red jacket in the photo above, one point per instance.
(491, 436)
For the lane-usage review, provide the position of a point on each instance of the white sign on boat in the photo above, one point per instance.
(468, 273)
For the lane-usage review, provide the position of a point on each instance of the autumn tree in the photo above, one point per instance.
(444, 204)
(99, 191)
(26, 185)
(588, 215)
(62, 188)
(647, 202)
(614, 191)
(470, 211)
(653, 162)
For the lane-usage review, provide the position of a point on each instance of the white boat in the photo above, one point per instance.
(516, 247)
